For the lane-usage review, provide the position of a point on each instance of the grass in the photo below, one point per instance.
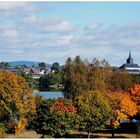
(75, 134)
(99, 134)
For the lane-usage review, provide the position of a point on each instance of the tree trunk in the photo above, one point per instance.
(138, 127)
(89, 134)
(138, 123)
(113, 132)
(42, 136)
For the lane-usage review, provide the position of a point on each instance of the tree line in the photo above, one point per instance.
(95, 96)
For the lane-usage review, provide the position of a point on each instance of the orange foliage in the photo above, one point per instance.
(135, 94)
(122, 106)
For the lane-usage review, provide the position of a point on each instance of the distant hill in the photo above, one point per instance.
(27, 63)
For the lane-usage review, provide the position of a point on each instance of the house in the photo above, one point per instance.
(36, 72)
(130, 66)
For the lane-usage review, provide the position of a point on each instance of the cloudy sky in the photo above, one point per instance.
(54, 31)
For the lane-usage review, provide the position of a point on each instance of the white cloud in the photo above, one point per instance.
(63, 26)
(10, 34)
(114, 35)
(93, 27)
(65, 40)
(13, 9)
(7, 6)
(46, 25)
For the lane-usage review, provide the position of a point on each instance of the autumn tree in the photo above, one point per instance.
(16, 101)
(135, 95)
(92, 111)
(80, 76)
(99, 75)
(135, 78)
(54, 117)
(122, 107)
(120, 80)
(75, 78)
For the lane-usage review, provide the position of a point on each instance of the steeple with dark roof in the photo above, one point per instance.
(129, 60)
(130, 66)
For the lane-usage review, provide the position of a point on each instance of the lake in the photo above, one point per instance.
(49, 94)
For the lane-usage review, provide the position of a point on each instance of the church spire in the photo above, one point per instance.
(129, 60)
(129, 54)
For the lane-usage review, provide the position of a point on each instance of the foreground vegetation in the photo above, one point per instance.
(96, 98)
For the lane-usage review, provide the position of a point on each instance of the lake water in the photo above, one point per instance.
(49, 94)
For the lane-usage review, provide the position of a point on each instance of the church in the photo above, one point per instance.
(130, 66)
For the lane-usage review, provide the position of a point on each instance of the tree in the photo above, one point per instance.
(135, 78)
(93, 111)
(99, 74)
(17, 104)
(46, 81)
(122, 107)
(80, 76)
(42, 64)
(120, 80)
(54, 117)
(75, 78)
(55, 64)
(135, 95)
(4, 65)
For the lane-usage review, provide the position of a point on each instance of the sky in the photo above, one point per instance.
(53, 31)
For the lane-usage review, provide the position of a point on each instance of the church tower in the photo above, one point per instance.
(129, 66)
(129, 60)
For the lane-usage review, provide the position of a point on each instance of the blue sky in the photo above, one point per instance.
(54, 31)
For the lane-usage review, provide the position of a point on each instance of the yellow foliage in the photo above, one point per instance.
(116, 124)
(2, 131)
(16, 97)
(20, 125)
(121, 115)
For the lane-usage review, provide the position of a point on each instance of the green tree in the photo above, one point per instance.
(4, 65)
(93, 111)
(55, 64)
(51, 79)
(16, 101)
(54, 117)
(42, 64)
